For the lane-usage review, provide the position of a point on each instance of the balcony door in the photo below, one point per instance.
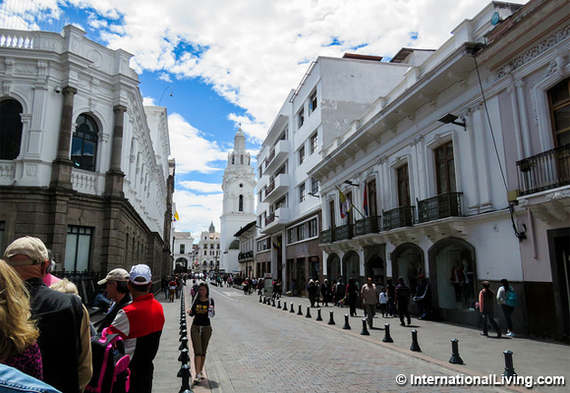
(559, 100)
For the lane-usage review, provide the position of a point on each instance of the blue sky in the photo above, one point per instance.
(230, 62)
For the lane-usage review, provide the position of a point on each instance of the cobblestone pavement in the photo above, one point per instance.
(260, 348)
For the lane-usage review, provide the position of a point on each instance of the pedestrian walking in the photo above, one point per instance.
(352, 295)
(326, 292)
(369, 300)
(391, 293)
(383, 301)
(487, 308)
(202, 310)
(140, 324)
(507, 298)
(402, 300)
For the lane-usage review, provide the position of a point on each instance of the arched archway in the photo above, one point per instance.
(351, 265)
(333, 267)
(408, 262)
(375, 268)
(453, 274)
(10, 129)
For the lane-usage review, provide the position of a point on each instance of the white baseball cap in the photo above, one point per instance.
(140, 274)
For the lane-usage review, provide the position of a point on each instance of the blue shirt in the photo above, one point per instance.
(14, 381)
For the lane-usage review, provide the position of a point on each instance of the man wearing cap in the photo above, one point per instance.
(140, 324)
(61, 319)
(116, 286)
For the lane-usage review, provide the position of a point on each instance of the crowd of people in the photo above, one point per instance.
(46, 332)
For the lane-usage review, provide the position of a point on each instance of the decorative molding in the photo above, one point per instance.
(535, 51)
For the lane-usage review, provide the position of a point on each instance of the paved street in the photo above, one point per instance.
(260, 348)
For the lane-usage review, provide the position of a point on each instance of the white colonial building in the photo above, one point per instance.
(434, 168)
(83, 164)
(238, 207)
(207, 253)
(331, 95)
(183, 252)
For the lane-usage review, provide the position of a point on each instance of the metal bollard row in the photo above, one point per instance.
(184, 372)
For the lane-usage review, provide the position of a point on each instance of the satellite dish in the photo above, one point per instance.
(495, 18)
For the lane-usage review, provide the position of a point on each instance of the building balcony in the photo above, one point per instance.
(276, 220)
(367, 225)
(343, 232)
(399, 217)
(327, 236)
(243, 256)
(441, 206)
(547, 170)
(276, 188)
(277, 156)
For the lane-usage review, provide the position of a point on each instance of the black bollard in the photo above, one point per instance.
(260, 298)
(184, 373)
(308, 312)
(278, 303)
(415, 346)
(300, 312)
(331, 318)
(184, 357)
(183, 332)
(272, 302)
(319, 315)
(292, 308)
(264, 300)
(364, 331)
(346, 325)
(509, 367)
(285, 305)
(268, 301)
(387, 338)
(455, 358)
(183, 345)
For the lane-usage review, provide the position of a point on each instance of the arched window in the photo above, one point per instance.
(241, 159)
(84, 146)
(241, 203)
(10, 129)
(233, 159)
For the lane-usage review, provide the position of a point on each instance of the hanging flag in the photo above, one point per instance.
(365, 200)
(344, 203)
(276, 244)
(176, 218)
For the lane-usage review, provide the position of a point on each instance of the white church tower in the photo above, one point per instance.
(238, 206)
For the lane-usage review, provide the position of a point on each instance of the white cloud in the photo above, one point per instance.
(192, 151)
(196, 212)
(201, 186)
(254, 52)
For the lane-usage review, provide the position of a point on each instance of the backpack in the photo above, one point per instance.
(110, 364)
(511, 298)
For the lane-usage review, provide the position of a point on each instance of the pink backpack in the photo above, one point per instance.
(110, 364)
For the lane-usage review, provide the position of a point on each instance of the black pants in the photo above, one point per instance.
(490, 318)
(507, 312)
(403, 311)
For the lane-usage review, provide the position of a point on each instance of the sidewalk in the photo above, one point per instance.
(481, 355)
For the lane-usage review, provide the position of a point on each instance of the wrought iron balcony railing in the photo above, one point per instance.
(544, 171)
(326, 236)
(399, 217)
(343, 232)
(440, 206)
(367, 225)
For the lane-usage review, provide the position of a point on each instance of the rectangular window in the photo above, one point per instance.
(78, 248)
(314, 142)
(301, 155)
(313, 101)
(559, 100)
(372, 206)
(182, 248)
(301, 232)
(445, 168)
(302, 192)
(314, 186)
(301, 118)
(313, 231)
(281, 202)
(403, 186)
(332, 222)
(291, 235)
